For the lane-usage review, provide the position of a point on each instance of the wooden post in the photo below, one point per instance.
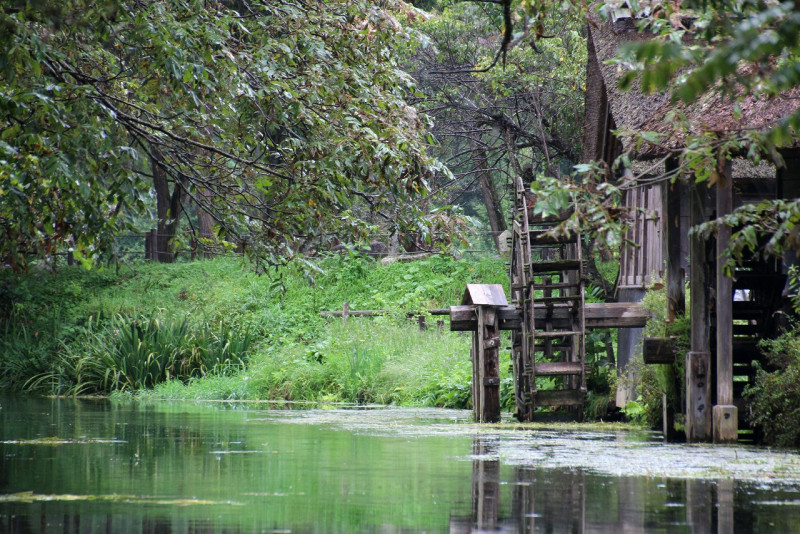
(725, 414)
(487, 300)
(345, 312)
(147, 246)
(698, 402)
(421, 322)
(724, 306)
(488, 365)
(676, 298)
(674, 193)
(474, 355)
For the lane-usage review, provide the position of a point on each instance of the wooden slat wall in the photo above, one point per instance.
(638, 263)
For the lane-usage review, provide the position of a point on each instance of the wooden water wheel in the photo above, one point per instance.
(547, 285)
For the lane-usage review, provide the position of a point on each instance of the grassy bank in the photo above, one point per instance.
(212, 329)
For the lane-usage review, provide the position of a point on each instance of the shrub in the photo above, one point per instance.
(654, 381)
(775, 395)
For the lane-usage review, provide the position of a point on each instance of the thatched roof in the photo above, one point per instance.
(633, 110)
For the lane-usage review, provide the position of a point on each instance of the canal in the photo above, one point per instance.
(70, 465)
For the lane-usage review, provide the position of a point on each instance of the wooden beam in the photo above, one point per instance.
(598, 315)
(373, 313)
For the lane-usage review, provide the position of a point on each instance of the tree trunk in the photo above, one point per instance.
(205, 223)
(169, 210)
(490, 197)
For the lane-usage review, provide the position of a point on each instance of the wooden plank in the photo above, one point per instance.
(353, 313)
(747, 330)
(484, 295)
(558, 333)
(558, 368)
(567, 397)
(615, 315)
(597, 315)
(659, 350)
(555, 266)
(545, 300)
(373, 313)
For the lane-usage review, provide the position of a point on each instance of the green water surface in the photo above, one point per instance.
(94, 466)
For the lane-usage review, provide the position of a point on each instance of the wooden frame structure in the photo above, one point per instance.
(728, 314)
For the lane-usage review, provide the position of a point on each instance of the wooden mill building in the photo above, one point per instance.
(728, 314)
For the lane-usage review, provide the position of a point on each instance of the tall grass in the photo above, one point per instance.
(122, 353)
(213, 329)
(371, 361)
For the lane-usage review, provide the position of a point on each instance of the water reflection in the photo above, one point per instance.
(547, 500)
(77, 466)
(76, 523)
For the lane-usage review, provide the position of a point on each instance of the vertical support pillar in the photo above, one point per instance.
(676, 298)
(345, 312)
(726, 421)
(487, 363)
(474, 354)
(674, 192)
(698, 402)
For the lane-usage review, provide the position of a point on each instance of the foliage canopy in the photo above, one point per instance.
(274, 116)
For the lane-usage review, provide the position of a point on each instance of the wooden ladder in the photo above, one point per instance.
(546, 275)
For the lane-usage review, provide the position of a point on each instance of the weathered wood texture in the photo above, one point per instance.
(725, 423)
(724, 305)
(486, 367)
(598, 315)
(698, 401)
(698, 396)
(646, 257)
(375, 313)
(676, 297)
(484, 295)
